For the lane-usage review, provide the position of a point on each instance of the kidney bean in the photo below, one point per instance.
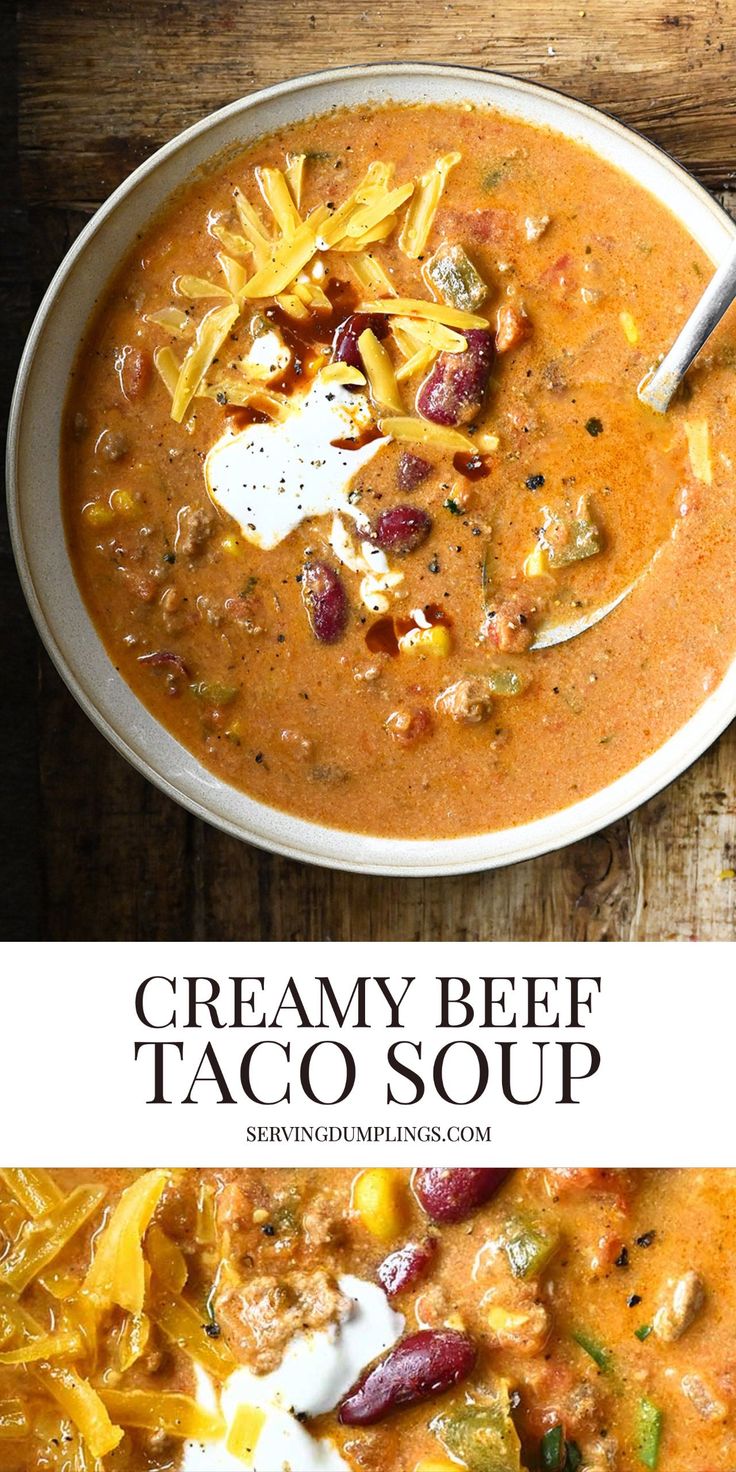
(401, 528)
(450, 1195)
(411, 471)
(164, 659)
(345, 342)
(454, 391)
(325, 601)
(420, 1366)
(405, 1267)
(135, 369)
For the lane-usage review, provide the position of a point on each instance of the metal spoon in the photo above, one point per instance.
(656, 390)
(550, 634)
(658, 386)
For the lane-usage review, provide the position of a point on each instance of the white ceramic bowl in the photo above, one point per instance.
(33, 468)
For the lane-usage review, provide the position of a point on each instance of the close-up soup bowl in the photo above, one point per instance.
(35, 473)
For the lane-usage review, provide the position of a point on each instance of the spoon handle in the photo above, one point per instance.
(656, 388)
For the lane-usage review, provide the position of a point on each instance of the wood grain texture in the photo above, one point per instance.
(101, 86)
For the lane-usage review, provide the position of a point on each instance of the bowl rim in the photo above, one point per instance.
(371, 856)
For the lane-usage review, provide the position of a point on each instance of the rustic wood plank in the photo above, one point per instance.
(20, 890)
(101, 86)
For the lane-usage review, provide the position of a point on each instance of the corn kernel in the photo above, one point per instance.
(503, 1320)
(98, 513)
(435, 641)
(698, 446)
(536, 565)
(631, 330)
(231, 545)
(380, 1199)
(260, 1215)
(246, 1427)
(436, 1464)
(455, 1321)
(122, 502)
(486, 442)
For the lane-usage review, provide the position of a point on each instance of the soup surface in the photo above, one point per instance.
(354, 433)
(334, 1321)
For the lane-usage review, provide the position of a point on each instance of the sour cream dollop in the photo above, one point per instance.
(271, 477)
(317, 1370)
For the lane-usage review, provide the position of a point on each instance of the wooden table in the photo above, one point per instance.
(95, 851)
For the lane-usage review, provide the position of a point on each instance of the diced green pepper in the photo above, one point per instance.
(598, 1354)
(452, 273)
(558, 1454)
(583, 539)
(214, 694)
(482, 1436)
(528, 1248)
(552, 1449)
(643, 1332)
(649, 1420)
(505, 682)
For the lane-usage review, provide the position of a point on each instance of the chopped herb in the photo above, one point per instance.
(598, 1354)
(594, 427)
(495, 174)
(552, 1448)
(649, 1421)
(643, 1332)
(452, 506)
(558, 1454)
(534, 482)
(528, 1248)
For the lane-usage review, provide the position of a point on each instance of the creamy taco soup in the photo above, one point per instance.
(337, 1321)
(354, 438)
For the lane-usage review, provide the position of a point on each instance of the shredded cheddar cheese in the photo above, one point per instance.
(420, 215)
(295, 176)
(275, 191)
(380, 371)
(405, 306)
(422, 432)
(210, 335)
(371, 275)
(288, 257)
(428, 333)
(197, 288)
(168, 368)
(697, 434)
(253, 229)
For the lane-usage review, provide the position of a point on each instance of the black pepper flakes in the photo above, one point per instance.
(622, 1261)
(534, 482)
(633, 1300)
(646, 1239)
(594, 427)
